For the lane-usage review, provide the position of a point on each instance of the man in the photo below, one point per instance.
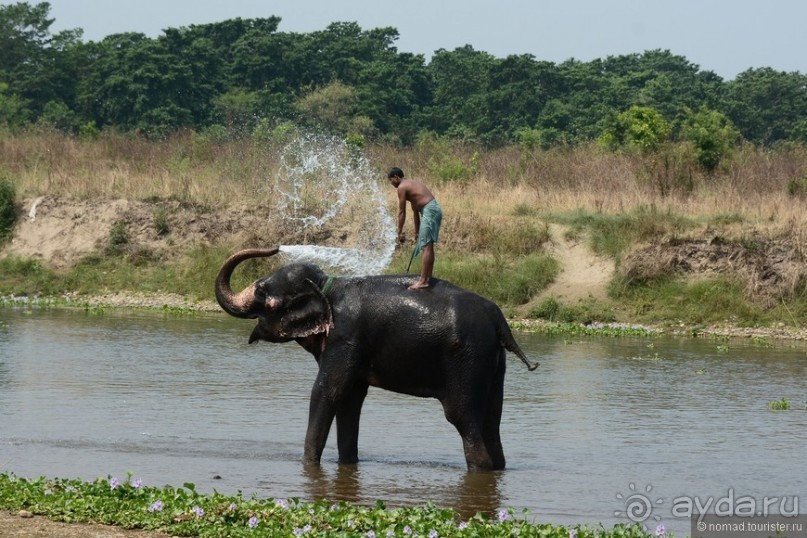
(427, 216)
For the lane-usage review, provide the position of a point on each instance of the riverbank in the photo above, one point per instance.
(178, 304)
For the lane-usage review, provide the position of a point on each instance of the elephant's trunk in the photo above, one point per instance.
(239, 304)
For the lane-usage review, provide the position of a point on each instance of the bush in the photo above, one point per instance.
(8, 208)
(713, 136)
(797, 188)
(639, 129)
(118, 238)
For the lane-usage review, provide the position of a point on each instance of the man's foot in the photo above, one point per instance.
(419, 285)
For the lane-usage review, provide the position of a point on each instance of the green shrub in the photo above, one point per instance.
(713, 136)
(797, 188)
(639, 129)
(118, 237)
(160, 218)
(8, 207)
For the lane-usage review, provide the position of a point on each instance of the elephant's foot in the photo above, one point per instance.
(348, 460)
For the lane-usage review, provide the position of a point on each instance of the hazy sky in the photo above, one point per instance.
(724, 36)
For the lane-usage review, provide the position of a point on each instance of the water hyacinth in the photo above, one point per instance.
(185, 512)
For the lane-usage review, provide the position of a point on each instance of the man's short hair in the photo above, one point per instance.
(395, 172)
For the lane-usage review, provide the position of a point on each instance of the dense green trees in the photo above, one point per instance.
(234, 75)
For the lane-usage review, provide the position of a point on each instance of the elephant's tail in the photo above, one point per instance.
(510, 344)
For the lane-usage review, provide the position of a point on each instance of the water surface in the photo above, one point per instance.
(186, 399)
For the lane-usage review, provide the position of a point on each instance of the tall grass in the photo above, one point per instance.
(756, 183)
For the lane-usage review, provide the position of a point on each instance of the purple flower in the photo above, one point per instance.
(156, 506)
(282, 503)
(407, 530)
(233, 507)
(433, 534)
(463, 525)
(660, 530)
(503, 515)
(370, 534)
(298, 531)
(137, 483)
(253, 522)
(198, 511)
(114, 483)
(572, 533)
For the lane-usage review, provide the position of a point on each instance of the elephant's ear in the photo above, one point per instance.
(311, 314)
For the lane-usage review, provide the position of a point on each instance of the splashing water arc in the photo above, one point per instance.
(322, 181)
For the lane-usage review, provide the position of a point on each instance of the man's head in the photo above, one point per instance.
(395, 176)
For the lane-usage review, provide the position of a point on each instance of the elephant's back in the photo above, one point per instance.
(392, 284)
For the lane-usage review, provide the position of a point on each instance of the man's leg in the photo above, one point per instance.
(426, 267)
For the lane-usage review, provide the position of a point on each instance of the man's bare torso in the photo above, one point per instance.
(415, 192)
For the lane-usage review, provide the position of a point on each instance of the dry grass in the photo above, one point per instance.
(498, 185)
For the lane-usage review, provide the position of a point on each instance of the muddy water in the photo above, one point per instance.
(186, 399)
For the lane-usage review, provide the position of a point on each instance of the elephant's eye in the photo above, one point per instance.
(260, 292)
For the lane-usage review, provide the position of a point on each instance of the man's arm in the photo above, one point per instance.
(401, 212)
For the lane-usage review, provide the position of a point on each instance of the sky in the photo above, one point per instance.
(724, 36)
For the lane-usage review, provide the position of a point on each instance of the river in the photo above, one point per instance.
(603, 424)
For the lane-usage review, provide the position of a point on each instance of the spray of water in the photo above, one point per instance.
(323, 181)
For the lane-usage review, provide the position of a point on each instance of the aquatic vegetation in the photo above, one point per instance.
(761, 341)
(183, 511)
(779, 405)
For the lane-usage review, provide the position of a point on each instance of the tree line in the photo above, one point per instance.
(239, 75)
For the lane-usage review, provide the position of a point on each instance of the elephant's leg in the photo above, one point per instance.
(347, 424)
(467, 418)
(493, 418)
(321, 413)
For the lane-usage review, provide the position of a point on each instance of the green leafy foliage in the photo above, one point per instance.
(8, 207)
(713, 136)
(236, 72)
(639, 129)
(182, 511)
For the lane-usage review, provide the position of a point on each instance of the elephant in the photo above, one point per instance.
(442, 342)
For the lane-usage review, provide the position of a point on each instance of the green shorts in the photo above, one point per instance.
(431, 216)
